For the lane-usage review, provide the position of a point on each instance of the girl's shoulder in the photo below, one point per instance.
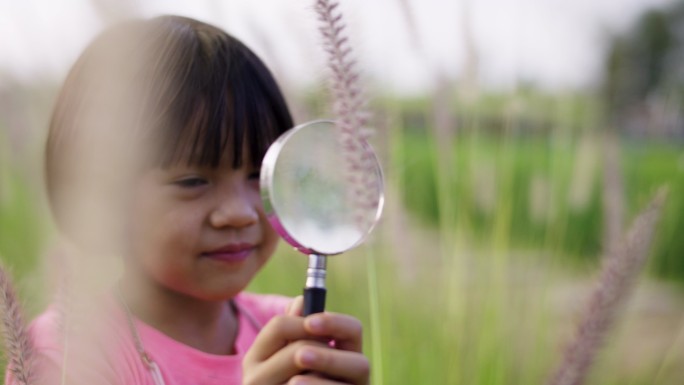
(262, 307)
(46, 330)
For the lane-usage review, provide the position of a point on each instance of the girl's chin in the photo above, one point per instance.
(220, 294)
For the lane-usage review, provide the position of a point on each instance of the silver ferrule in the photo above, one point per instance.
(315, 274)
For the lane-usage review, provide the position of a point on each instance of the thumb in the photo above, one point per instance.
(296, 306)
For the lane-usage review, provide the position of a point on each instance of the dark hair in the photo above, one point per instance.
(169, 89)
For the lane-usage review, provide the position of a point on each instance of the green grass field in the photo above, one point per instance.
(479, 268)
(550, 189)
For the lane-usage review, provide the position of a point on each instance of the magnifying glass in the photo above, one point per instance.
(322, 196)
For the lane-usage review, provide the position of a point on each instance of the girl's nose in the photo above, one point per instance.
(235, 209)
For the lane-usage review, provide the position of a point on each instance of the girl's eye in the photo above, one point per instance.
(253, 178)
(191, 182)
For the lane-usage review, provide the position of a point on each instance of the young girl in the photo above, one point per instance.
(153, 155)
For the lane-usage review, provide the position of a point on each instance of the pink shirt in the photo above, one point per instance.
(179, 364)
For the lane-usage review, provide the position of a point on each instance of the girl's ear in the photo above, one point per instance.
(296, 306)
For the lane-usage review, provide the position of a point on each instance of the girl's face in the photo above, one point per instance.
(199, 231)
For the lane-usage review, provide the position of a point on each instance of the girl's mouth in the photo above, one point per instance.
(232, 253)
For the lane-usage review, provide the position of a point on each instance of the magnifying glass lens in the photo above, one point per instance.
(322, 196)
(322, 203)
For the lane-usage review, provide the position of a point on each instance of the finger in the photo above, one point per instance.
(346, 330)
(296, 306)
(339, 364)
(277, 333)
(282, 365)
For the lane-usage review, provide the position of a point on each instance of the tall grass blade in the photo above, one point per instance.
(375, 321)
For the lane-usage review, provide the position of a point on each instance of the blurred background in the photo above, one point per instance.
(518, 139)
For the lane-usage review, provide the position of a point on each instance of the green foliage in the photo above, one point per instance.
(21, 230)
(22, 224)
(490, 174)
(534, 179)
(646, 60)
(648, 166)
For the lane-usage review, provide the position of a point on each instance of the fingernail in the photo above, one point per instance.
(315, 323)
(308, 357)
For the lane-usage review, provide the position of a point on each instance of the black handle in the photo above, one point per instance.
(314, 300)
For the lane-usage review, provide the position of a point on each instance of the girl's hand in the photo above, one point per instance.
(292, 350)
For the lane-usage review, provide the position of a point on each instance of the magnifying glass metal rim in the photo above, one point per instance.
(315, 288)
(266, 191)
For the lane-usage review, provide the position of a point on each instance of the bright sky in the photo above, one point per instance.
(553, 43)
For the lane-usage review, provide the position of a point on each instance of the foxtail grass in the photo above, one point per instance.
(18, 343)
(616, 282)
(349, 106)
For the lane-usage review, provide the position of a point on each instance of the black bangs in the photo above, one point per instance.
(224, 101)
